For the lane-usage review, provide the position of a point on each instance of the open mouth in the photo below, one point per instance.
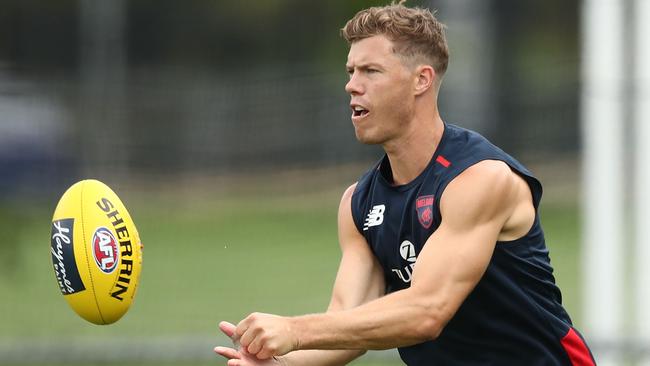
(359, 111)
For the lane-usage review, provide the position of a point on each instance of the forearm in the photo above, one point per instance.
(400, 319)
(320, 357)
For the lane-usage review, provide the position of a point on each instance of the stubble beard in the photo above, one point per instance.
(395, 122)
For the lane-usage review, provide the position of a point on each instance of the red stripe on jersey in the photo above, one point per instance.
(577, 350)
(442, 161)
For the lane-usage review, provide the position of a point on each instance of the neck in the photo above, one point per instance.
(410, 154)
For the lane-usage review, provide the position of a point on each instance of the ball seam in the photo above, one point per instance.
(90, 273)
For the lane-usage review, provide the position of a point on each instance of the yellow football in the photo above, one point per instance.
(96, 252)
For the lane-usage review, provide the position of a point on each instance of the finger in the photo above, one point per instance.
(264, 354)
(247, 339)
(235, 362)
(255, 347)
(245, 354)
(227, 352)
(242, 327)
(227, 328)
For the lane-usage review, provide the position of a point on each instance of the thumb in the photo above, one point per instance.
(227, 328)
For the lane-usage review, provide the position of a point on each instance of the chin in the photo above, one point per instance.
(368, 139)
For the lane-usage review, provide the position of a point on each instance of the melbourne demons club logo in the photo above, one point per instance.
(105, 250)
(424, 207)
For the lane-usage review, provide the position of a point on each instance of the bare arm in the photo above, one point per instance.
(477, 208)
(359, 280)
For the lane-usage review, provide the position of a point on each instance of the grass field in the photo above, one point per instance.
(208, 259)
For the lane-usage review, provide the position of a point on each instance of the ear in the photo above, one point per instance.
(425, 78)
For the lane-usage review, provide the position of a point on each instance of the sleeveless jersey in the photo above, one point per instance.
(514, 315)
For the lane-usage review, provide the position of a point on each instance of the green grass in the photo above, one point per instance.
(562, 229)
(210, 259)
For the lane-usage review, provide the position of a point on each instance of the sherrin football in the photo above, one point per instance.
(96, 252)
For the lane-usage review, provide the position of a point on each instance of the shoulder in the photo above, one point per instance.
(465, 146)
(348, 227)
(346, 198)
(357, 194)
(481, 191)
(346, 205)
(485, 171)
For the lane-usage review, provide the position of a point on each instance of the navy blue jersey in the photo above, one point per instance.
(514, 315)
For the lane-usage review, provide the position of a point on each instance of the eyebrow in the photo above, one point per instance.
(364, 66)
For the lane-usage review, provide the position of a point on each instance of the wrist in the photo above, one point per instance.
(281, 360)
(296, 326)
(309, 331)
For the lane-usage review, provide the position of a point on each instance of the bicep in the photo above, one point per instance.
(474, 209)
(359, 278)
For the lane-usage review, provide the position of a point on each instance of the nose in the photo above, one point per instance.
(354, 87)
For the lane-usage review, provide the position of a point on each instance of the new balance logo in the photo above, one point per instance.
(375, 217)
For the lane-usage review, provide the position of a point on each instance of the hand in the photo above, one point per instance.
(240, 357)
(266, 335)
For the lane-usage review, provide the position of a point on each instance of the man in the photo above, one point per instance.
(443, 255)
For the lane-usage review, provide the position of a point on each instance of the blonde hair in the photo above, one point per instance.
(416, 32)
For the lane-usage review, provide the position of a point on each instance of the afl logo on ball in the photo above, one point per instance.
(105, 250)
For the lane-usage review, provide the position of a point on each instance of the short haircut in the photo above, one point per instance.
(416, 33)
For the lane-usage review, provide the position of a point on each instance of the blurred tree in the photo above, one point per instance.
(537, 74)
(39, 36)
(103, 87)
(245, 61)
(239, 34)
